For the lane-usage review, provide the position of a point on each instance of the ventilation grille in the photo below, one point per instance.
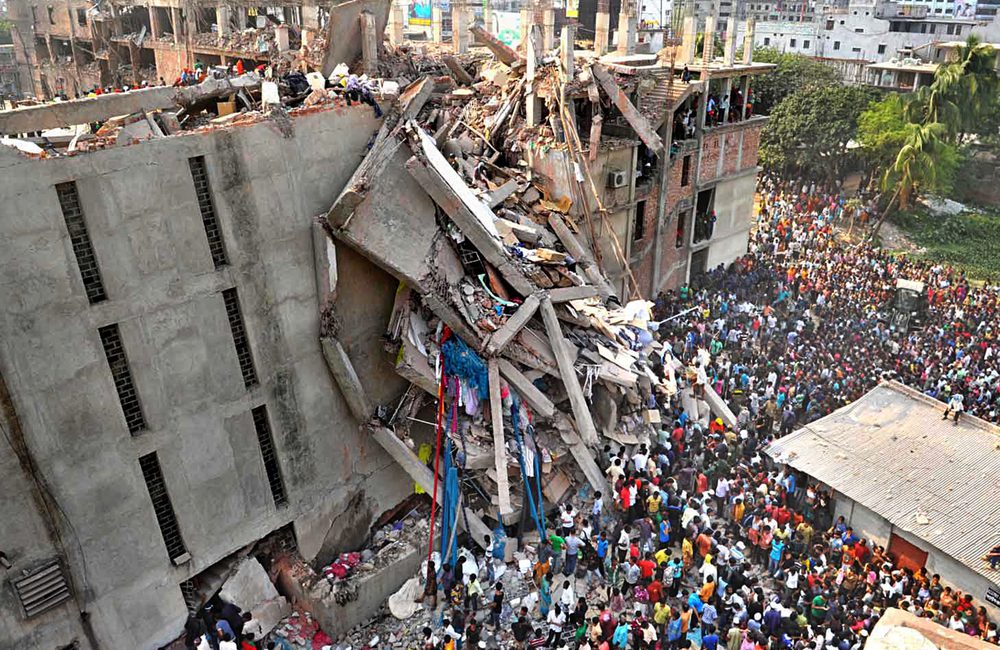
(263, 426)
(240, 339)
(111, 339)
(42, 589)
(69, 201)
(199, 174)
(164, 510)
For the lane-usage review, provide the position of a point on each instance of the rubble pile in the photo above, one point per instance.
(502, 308)
(252, 41)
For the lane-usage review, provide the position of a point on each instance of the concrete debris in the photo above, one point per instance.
(486, 250)
(249, 586)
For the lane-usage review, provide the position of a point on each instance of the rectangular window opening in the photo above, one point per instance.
(162, 507)
(240, 339)
(79, 237)
(199, 174)
(128, 397)
(639, 221)
(686, 171)
(270, 457)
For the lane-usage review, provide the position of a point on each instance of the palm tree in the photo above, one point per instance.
(917, 166)
(962, 91)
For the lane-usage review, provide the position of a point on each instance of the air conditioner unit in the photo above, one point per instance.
(617, 178)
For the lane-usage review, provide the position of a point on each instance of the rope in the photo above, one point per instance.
(530, 429)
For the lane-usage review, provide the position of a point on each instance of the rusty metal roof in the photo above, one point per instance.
(891, 452)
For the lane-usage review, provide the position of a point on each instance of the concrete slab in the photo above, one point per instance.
(344, 30)
(249, 586)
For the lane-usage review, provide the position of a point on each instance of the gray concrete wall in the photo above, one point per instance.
(734, 209)
(163, 290)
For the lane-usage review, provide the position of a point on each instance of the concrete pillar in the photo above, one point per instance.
(222, 19)
(626, 31)
(154, 22)
(527, 20)
(487, 17)
(727, 91)
(241, 18)
(459, 28)
(175, 24)
(729, 54)
(396, 20)
(532, 103)
(745, 90)
(437, 20)
(281, 37)
(548, 30)
(601, 30)
(688, 36)
(566, 40)
(748, 41)
(310, 18)
(708, 52)
(369, 43)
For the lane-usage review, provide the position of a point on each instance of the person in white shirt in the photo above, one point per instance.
(955, 405)
(556, 620)
(568, 598)
(227, 643)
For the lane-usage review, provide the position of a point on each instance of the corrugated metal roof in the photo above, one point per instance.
(891, 452)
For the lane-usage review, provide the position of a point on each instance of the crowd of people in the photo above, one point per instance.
(705, 543)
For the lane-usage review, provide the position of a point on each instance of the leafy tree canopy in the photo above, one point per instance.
(794, 72)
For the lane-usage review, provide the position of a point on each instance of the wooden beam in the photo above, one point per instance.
(500, 338)
(573, 293)
(581, 411)
(499, 447)
(535, 398)
(629, 111)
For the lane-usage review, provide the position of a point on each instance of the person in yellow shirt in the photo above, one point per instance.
(687, 554)
(661, 612)
(662, 556)
(653, 503)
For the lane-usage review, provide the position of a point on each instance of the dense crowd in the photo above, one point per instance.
(799, 323)
(704, 543)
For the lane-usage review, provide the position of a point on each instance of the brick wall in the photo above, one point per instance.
(751, 145)
(169, 63)
(59, 25)
(710, 151)
(730, 154)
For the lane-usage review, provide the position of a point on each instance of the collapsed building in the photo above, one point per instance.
(228, 333)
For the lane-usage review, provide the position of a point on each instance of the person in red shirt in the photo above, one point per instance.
(646, 567)
(655, 590)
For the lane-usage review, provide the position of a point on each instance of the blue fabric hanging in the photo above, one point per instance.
(462, 361)
(515, 418)
(449, 507)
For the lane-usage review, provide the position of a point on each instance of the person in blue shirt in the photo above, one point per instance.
(849, 538)
(674, 629)
(774, 560)
(620, 637)
(711, 640)
(602, 554)
(664, 532)
(694, 600)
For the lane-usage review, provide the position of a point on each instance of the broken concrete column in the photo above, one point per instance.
(527, 20)
(548, 29)
(175, 24)
(396, 20)
(281, 37)
(708, 51)
(437, 23)
(532, 103)
(567, 371)
(748, 41)
(566, 40)
(499, 446)
(310, 18)
(602, 28)
(343, 372)
(626, 32)
(369, 43)
(729, 54)
(222, 19)
(689, 41)
(459, 28)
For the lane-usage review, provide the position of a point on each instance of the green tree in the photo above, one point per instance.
(882, 131)
(927, 162)
(794, 72)
(963, 95)
(809, 131)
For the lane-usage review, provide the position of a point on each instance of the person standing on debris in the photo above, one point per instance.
(595, 512)
(496, 606)
(955, 405)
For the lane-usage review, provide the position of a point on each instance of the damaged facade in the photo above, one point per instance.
(229, 328)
